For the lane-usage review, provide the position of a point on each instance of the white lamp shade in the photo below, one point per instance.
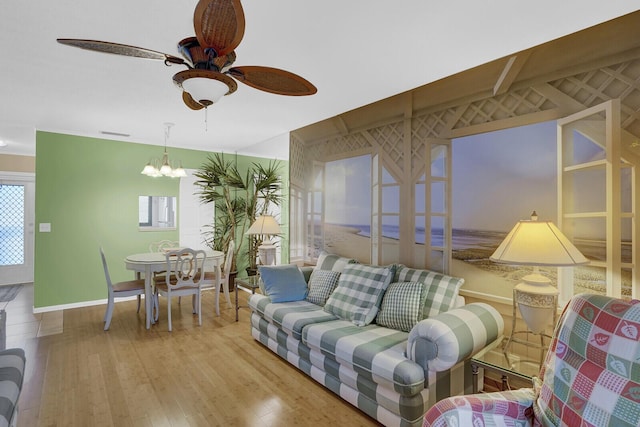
(149, 170)
(538, 243)
(204, 89)
(265, 225)
(179, 172)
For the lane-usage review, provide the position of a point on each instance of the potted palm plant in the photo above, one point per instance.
(267, 186)
(239, 199)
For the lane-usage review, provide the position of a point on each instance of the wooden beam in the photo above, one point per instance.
(566, 104)
(526, 119)
(510, 72)
(341, 125)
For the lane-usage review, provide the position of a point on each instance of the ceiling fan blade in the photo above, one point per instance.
(121, 49)
(273, 80)
(190, 102)
(219, 24)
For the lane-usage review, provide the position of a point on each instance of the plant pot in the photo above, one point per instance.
(232, 281)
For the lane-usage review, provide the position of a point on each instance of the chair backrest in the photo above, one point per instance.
(229, 260)
(185, 268)
(106, 269)
(591, 375)
(163, 245)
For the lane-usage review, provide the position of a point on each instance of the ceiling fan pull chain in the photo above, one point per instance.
(206, 121)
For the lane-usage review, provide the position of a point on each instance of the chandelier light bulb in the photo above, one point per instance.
(165, 168)
(149, 170)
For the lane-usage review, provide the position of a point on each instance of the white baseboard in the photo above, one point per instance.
(77, 305)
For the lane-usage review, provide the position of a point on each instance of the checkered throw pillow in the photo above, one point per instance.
(321, 284)
(402, 305)
(442, 290)
(359, 292)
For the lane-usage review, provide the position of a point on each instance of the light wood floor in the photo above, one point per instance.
(215, 374)
(23, 324)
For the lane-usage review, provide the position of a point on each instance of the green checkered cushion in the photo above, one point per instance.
(327, 261)
(373, 352)
(402, 305)
(359, 293)
(442, 290)
(290, 316)
(321, 284)
(378, 399)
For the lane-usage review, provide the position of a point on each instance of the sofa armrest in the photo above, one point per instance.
(505, 408)
(12, 364)
(440, 342)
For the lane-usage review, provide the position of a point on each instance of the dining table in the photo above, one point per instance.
(148, 263)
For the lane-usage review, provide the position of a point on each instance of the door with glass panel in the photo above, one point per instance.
(596, 203)
(433, 230)
(16, 229)
(315, 214)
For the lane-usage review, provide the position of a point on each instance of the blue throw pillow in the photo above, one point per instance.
(283, 283)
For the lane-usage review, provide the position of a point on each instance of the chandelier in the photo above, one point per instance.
(156, 167)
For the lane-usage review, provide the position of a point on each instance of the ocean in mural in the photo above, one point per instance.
(476, 246)
(485, 240)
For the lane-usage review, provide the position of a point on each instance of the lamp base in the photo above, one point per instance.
(267, 253)
(537, 300)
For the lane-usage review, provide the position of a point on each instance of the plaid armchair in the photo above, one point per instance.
(591, 375)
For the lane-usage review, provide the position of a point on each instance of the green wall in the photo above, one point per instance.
(88, 189)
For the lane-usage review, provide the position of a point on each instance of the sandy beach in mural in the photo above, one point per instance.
(473, 264)
(343, 240)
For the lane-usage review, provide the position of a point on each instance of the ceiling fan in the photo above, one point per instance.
(209, 56)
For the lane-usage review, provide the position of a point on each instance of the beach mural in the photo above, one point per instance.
(498, 178)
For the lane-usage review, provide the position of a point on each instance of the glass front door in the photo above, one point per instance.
(16, 231)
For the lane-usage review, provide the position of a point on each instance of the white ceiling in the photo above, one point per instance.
(354, 51)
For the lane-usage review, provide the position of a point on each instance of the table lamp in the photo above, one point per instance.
(536, 243)
(267, 226)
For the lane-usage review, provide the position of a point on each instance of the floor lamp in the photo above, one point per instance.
(536, 243)
(267, 226)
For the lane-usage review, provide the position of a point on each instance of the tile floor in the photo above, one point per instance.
(23, 324)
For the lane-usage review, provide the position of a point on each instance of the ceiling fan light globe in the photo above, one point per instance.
(205, 91)
(204, 87)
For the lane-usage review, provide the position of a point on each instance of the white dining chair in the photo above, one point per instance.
(127, 288)
(163, 245)
(211, 276)
(184, 276)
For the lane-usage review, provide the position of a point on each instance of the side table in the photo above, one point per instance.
(508, 365)
(250, 283)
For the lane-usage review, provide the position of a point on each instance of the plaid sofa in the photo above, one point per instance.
(392, 375)
(590, 376)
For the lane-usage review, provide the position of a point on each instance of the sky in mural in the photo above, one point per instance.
(348, 195)
(498, 179)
